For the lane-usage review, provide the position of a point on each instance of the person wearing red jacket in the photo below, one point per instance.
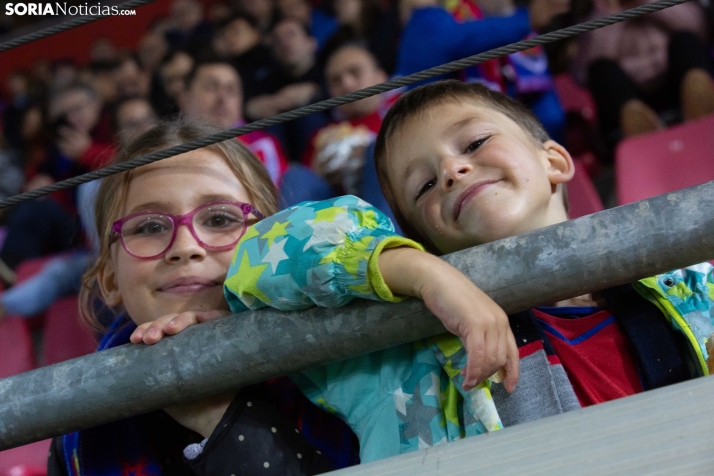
(213, 93)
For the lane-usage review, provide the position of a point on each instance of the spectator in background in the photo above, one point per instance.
(188, 31)
(297, 79)
(101, 78)
(262, 10)
(320, 25)
(337, 150)
(133, 117)
(74, 113)
(372, 23)
(130, 79)
(20, 101)
(102, 50)
(294, 83)
(62, 275)
(169, 83)
(238, 40)
(46, 226)
(218, 12)
(152, 48)
(213, 93)
(433, 36)
(635, 69)
(63, 73)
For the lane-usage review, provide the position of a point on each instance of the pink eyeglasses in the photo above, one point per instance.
(216, 226)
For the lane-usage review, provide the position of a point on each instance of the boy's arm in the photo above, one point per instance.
(318, 253)
(327, 253)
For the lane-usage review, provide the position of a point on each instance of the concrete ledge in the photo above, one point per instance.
(665, 431)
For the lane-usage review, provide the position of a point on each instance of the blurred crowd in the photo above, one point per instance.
(236, 62)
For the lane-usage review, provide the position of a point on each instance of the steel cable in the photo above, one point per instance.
(351, 97)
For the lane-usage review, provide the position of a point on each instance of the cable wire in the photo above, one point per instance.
(68, 25)
(347, 98)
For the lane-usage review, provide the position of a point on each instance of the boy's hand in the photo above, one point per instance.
(464, 309)
(170, 324)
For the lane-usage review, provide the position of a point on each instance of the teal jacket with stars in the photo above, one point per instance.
(410, 396)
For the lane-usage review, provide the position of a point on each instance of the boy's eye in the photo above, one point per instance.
(475, 145)
(425, 188)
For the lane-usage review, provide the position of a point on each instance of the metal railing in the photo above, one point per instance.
(554, 263)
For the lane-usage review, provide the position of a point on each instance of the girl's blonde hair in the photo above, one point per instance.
(113, 191)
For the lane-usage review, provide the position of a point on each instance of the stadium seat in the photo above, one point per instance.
(28, 460)
(65, 336)
(574, 97)
(583, 198)
(664, 161)
(16, 343)
(25, 271)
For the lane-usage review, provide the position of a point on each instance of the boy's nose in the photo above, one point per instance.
(454, 171)
(184, 247)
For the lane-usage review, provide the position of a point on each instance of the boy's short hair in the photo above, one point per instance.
(423, 98)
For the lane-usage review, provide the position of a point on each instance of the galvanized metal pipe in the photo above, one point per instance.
(591, 253)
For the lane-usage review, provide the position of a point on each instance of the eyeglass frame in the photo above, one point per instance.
(186, 219)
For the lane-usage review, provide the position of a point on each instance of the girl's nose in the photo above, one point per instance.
(454, 171)
(185, 247)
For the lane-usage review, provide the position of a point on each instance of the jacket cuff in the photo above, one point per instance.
(376, 280)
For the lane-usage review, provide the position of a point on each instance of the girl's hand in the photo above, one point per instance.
(464, 309)
(170, 324)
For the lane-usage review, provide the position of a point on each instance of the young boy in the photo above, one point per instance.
(461, 166)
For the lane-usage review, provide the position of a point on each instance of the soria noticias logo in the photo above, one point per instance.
(61, 8)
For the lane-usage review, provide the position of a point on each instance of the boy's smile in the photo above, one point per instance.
(464, 174)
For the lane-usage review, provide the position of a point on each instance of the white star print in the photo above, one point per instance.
(435, 388)
(332, 232)
(400, 401)
(276, 254)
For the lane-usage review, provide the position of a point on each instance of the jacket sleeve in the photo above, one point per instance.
(316, 253)
(432, 37)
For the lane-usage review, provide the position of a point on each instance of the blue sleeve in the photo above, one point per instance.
(433, 37)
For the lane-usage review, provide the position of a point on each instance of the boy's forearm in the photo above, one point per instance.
(405, 269)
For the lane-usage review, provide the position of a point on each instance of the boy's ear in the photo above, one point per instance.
(560, 164)
(106, 278)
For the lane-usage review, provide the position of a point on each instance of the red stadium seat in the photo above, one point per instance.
(28, 460)
(574, 97)
(665, 161)
(65, 336)
(583, 198)
(16, 343)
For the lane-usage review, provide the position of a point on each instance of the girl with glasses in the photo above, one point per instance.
(167, 232)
